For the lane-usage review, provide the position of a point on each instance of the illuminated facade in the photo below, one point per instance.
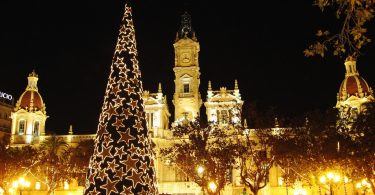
(29, 116)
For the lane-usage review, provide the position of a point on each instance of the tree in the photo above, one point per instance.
(353, 16)
(205, 153)
(255, 159)
(52, 167)
(310, 148)
(363, 148)
(4, 160)
(15, 162)
(79, 159)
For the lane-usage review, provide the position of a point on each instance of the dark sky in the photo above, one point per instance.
(71, 43)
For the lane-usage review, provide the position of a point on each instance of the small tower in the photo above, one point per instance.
(29, 116)
(187, 99)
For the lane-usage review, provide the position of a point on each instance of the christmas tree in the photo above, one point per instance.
(122, 162)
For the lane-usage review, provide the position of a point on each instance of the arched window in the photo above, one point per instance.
(21, 127)
(36, 128)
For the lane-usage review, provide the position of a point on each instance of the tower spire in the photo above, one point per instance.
(70, 129)
(122, 162)
(235, 85)
(186, 30)
(159, 88)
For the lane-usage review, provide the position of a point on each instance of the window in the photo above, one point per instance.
(21, 127)
(186, 88)
(222, 116)
(36, 128)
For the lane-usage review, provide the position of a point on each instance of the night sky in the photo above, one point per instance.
(70, 44)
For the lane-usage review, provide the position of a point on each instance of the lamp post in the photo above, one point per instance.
(21, 184)
(212, 186)
(200, 171)
(330, 179)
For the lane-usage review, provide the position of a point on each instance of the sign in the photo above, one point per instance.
(5, 96)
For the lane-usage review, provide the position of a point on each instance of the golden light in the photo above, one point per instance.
(358, 185)
(11, 190)
(200, 170)
(330, 175)
(1, 191)
(280, 181)
(346, 180)
(37, 185)
(15, 184)
(365, 183)
(337, 178)
(300, 191)
(323, 179)
(212, 186)
(66, 185)
(21, 181)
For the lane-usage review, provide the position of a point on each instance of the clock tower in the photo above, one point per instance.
(187, 99)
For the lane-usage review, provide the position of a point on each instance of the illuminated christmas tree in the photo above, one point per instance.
(122, 162)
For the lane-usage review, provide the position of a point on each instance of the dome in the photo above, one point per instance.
(353, 84)
(31, 100)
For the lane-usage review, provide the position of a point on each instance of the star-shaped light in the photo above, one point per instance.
(135, 177)
(110, 186)
(126, 137)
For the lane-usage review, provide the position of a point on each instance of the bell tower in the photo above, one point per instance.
(187, 99)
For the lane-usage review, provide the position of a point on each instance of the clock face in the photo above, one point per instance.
(185, 58)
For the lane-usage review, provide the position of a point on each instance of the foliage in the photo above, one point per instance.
(15, 162)
(79, 159)
(363, 146)
(255, 160)
(53, 167)
(311, 147)
(207, 147)
(352, 16)
(306, 151)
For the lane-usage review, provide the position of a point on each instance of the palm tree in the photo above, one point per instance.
(53, 165)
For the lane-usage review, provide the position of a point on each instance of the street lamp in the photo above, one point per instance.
(363, 186)
(330, 178)
(212, 186)
(200, 170)
(21, 183)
